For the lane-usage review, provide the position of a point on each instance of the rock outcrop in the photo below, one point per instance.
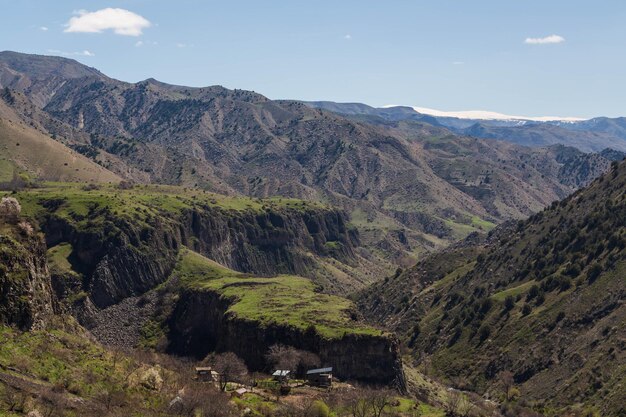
(200, 324)
(25, 291)
(120, 258)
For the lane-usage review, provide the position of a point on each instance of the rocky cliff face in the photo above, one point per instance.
(25, 291)
(199, 324)
(120, 258)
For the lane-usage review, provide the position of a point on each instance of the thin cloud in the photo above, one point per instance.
(348, 37)
(120, 21)
(64, 53)
(43, 28)
(458, 63)
(546, 40)
(139, 44)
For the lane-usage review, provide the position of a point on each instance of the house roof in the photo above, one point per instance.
(319, 371)
(281, 372)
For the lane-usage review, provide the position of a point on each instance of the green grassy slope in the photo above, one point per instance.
(284, 299)
(543, 299)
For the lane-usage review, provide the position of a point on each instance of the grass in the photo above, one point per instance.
(6, 170)
(56, 357)
(141, 201)
(58, 257)
(518, 290)
(282, 300)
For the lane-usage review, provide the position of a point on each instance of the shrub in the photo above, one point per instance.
(484, 332)
(594, 271)
(509, 303)
(319, 409)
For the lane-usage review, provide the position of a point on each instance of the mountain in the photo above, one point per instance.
(540, 303)
(408, 185)
(591, 135)
(31, 152)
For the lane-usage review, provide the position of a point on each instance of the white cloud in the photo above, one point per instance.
(348, 37)
(44, 28)
(545, 40)
(64, 53)
(120, 21)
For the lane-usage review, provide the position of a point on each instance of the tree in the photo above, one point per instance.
(230, 368)
(457, 405)
(283, 357)
(379, 399)
(10, 209)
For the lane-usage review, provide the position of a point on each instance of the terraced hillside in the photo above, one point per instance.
(542, 299)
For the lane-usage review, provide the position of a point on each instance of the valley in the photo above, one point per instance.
(440, 266)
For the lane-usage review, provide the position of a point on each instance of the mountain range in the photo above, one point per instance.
(141, 222)
(409, 185)
(592, 135)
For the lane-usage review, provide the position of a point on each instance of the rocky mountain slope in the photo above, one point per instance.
(541, 299)
(412, 187)
(26, 148)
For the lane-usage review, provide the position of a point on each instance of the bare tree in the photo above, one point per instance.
(458, 405)
(507, 382)
(358, 404)
(379, 400)
(230, 368)
(283, 357)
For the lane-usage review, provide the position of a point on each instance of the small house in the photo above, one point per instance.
(206, 374)
(281, 375)
(322, 377)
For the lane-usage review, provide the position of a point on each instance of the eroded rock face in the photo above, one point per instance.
(199, 325)
(25, 291)
(121, 258)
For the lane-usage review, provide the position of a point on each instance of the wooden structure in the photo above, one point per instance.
(206, 374)
(322, 377)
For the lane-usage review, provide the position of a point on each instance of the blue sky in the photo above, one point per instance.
(444, 54)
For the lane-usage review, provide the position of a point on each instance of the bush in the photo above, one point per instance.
(319, 409)
(484, 332)
(509, 303)
(594, 272)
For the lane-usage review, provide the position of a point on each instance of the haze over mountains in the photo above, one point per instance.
(408, 181)
(592, 135)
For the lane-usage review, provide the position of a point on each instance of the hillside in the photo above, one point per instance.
(25, 149)
(542, 299)
(410, 188)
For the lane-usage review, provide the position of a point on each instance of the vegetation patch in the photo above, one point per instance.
(284, 299)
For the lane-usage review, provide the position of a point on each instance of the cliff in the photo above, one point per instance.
(115, 238)
(200, 324)
(25, 291)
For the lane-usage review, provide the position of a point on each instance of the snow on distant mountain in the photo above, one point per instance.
(488, 115)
